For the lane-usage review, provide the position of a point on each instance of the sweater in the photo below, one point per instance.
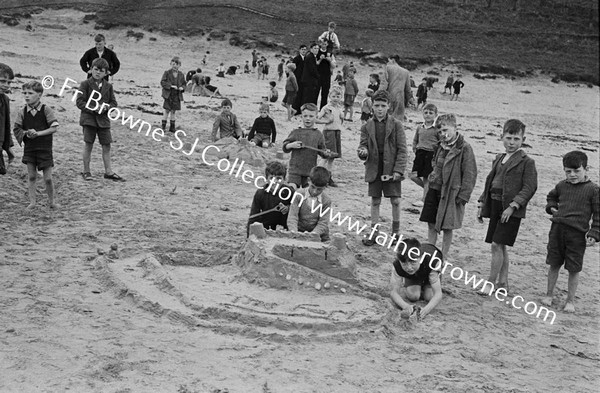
(576, 204)
(263, 125)
(351, 87)
(426, 138)
(303, 160)
(302, 219)
(265, 200)
(291, 84)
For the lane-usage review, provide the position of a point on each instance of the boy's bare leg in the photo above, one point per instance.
(395, 201)
(573, 281)
(375, 204)
(425, 187)
(106, 159)
(32, 177)
(552, 277)
(416, 179)
(503, 280)
(49, 186)
(87, 155)
(165, 115)
(497, 261)
(446, 242)
(432, 234)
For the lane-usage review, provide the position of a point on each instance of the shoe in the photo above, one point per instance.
(418, 204)
(332, 183)
(114, 177)
(87, 176)
(369, 242)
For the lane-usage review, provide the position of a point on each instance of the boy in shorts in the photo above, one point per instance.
(270, 197)
(416, 276)
(304, 144)
(304, 212)
(424, 145)
(263, 131)
(6, 142)
(572, 204)
(34, 127)
(383, 147)
(509, 186)
(94, 117)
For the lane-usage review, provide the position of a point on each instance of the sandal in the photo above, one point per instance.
(114, 177)
(86, 176)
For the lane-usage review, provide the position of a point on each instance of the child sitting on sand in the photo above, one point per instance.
(34, 127)
(6, 142)
(221, 70)
(572, 204)
(509, 187)
(304, 144)
(226, 123)
(263, 131)
(173, 85)
(450, 183)
(331, 118)
(425, 143)
(304, 214)
(416, 276)
(269, 199)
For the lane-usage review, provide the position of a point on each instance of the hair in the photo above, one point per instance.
(431, 107)
(309, 106)
(226, 102)
(336, 89)
(513, 126)
(319, 176)
(447, 119)
(100, 64)
(411, 242)
(313, 44)
(375, 76)
(331, 25)
(275, 168)
(351, 70)
(273, 84)
(575, 159)
(396, 58)
(302, 46)
(369, 92)
(381, 95)
(33, 85)
(206, 80)
(264, 107)
(198, 70)
(291, 66)
(6, 71)
(176, 60)
(99, 38)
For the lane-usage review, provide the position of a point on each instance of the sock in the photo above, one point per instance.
(395, 226)
(172, 126)
(164, 124)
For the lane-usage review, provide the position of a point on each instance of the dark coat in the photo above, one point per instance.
(394, 152)
(459, 174)
(520, 184)
(89, 56)
(168, 80)
(90, 117)
(5, 136)
(299, 62)
(310, 73)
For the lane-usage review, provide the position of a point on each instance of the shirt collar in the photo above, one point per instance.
(318, 198)
(426, 126)
(34, 108)
(382, 120)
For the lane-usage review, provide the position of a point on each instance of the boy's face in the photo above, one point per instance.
(98, 73)
(303, 51)
(31, 97)
(513, 142)
(264, 113)
(429, 115)
(308, 118)
(175, 66)
(226, 109)
(575, 175)
(275, 178)
(314, 49)
(100, 45)
(380, 109)
(335, 97)
(315, 191)
(447, 132)
(410, 266)
(5, 84)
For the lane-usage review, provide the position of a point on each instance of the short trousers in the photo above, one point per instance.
(422, 162)
(333, 141)
(430, 206)
(498, 232)
(421, 100)
(365, 116)
(289, 98)
(42, 159)
(390, 188)
(448, 86)
(259, 139)
(173, 103)
(90, 132)
(349, 100)
(298, 180)
(566, 245)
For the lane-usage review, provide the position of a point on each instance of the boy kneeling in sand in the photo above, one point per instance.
(416, 276)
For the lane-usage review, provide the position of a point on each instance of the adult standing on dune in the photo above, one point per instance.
(99, 50)
(396, 81)
(310, 76)
(299, 61)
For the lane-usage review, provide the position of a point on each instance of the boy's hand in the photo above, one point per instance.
(506, 214)
(32, 134)
(553, 210)
(363, 153)
(479, 218)
(460, 201)
(590, 241)
(284, 209)
(181, 88)
(397, 176)
(294, 145)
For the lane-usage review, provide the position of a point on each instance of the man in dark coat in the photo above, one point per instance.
(299, 62)
(326, 65)
(100, 51)
(310, 75)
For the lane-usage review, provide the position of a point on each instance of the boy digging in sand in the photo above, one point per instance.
(34, 127)
(572, 203)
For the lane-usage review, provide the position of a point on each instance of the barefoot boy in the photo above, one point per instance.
(508, 189)
(572, 203)
(34, 127)
(94, 117)
(383, 147)
(416, 276)
(6, 142)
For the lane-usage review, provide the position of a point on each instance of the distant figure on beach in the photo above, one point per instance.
(330, 38)
(291, 90)
(273, 93)
(221, 70)
(226, 124)
(396, 81)
(350, 93)
(457, 85)
(173, 85)
(331, 118)
(425, 143)
(280, 68)
(325, 66)
(422, 93)
(449, 83)
(254, 59)
(374, 82)
(299, 62)
(100, 51)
